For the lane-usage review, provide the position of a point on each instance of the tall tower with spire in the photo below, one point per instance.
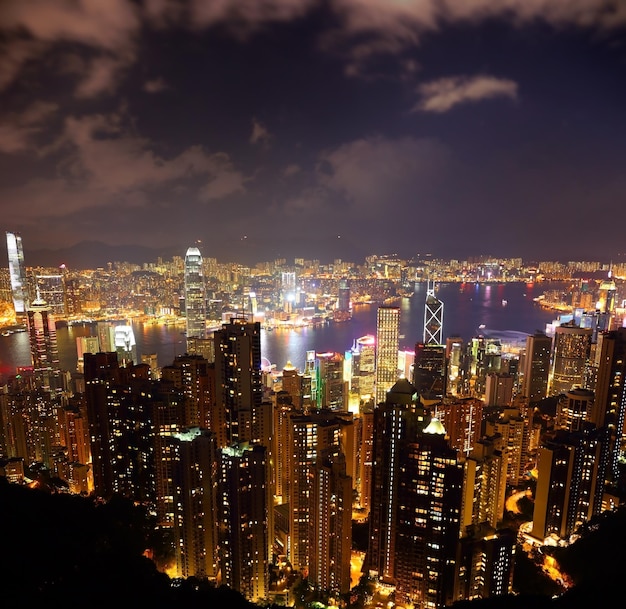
(195, 301)
(433, 317)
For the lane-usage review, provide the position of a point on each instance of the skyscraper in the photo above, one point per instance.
(320, 492)
(194, 475)
(17, 272)
(416, 502)
(387, 336)
(243, 520)
(332, 390)
(429, 371)
(433, 317)
(609, 407)
(570, 481)
(195, 304)
(571, 350)
(239, 389)
(537, 366)
(44, 349)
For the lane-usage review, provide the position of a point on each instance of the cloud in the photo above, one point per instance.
(291, 170)
(17, 130)
(372, 173)
(370, 28)
(105, 165)
(443, 94)
(363, 31)
(108, 28)
(113, 159)
(13, 57)
(102, 24)
(247, 14)
(102, 76)
(156, 85)
(260, 133)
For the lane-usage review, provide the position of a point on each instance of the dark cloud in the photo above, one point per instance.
(294, 121)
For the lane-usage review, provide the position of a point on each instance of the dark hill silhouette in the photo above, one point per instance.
(65, 551)
(94, 254)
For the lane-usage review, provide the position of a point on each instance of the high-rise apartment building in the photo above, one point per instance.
(486, 559)
(316, 454)
(238, 384)
(332, 523)
(572, 469)
(194, 482)
(416, 502)
(462, 419)
(574, 409)
(243, 520)
(120, 411)
(512, 429)
(536, 369)
(17, 272)
(484, 484)
(195, 298)
(570, 357)
(387, 345)
(499, 389)
(196, 378)
(609, 408)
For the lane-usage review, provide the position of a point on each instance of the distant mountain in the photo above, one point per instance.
(94, 254)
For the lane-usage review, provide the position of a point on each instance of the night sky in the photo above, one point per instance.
(316, 129)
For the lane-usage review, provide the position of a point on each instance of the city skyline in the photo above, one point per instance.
(335, 129)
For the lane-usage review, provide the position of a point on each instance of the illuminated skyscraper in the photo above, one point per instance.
(571, 351)
(536, 367)
(120, 411)
(332, 390)
(194, 473)
(44, 349)
(364, 368)
(429, 371)
(387, 345)
(609, 407)
(320, 496)
(243, 520)
(484, 484)
(416, 503)
(462, 418)
(17, 272)
(196, 378)
(332, 523)
(343, 311)
(239, 388)
(433, 317)
(486, 559)
(195, 304)
(570, 481)
(125, 345)
(85, 344)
